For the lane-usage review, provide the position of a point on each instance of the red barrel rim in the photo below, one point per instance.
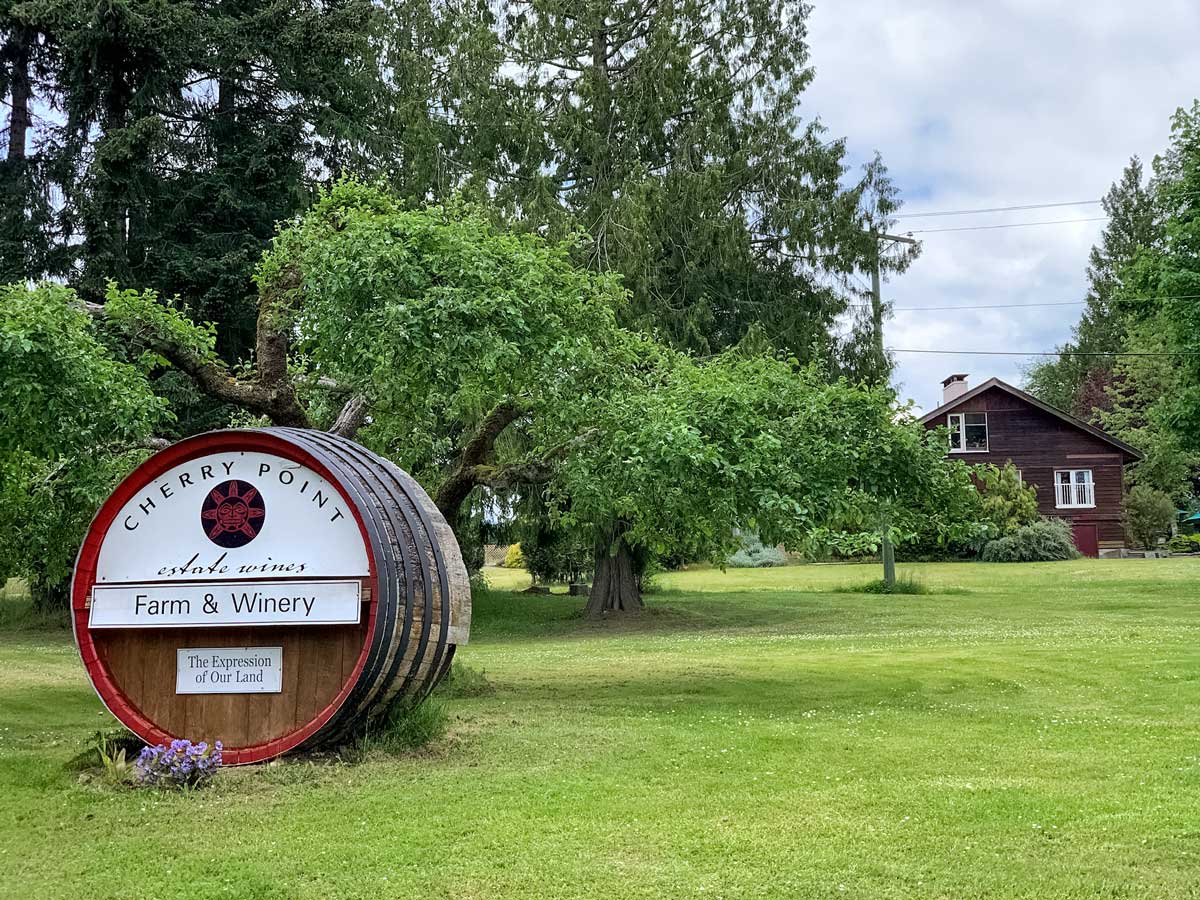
(84, 579)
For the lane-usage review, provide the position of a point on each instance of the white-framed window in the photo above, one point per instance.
(1074, 488)
(968, 432)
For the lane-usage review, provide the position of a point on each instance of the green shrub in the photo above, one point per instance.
(514, 559)
(1000, 503)
(1008, 502)
(109, 753)
(1043, 541)
(1184, 543)
(1149, 515)
(930, 551)
(754, 555)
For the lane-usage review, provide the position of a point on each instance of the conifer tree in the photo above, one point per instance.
(27, 227)
(1079, 383)
(670, 132)
(178, 134)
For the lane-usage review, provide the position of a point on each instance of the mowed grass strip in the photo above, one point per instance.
(1024, 731)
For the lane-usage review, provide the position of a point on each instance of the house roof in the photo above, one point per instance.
(1095, 432)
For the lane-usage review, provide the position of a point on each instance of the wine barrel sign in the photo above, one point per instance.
(272, 589)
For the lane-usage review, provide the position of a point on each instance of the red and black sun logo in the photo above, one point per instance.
(233, 514)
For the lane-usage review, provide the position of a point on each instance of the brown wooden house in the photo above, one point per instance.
(1078, 470)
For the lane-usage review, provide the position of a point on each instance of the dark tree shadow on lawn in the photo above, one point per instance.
(518, 617)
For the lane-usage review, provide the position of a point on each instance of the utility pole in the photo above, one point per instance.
(886, 550)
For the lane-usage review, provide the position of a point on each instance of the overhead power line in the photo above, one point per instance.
(1007, 225)
(989, 306)
(994, 209)
(968, 306)
(1045, 352)
(981, 306)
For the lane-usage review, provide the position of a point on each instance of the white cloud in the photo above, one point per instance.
(1005, 103)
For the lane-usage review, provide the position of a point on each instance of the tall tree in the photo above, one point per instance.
(27, 226)
(1076, 382)
(184, 131)
(1148, 277)
(1139, 400)
(670, 132)
(1134, 226)
(1172, 270)
(124, 69)
(198, 127)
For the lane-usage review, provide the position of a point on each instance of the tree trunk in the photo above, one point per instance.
(452, 495)
(21, 89)
(22, 243)
(598, 150)
(615, 586)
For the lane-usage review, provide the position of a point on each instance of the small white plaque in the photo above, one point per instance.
(229, 670)
(208, 605)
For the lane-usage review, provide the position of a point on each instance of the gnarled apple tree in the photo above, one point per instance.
(743, 442)
(432, 336)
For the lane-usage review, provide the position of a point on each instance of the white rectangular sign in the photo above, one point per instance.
(229, 670)
(231, 603)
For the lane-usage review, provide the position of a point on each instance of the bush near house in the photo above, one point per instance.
(1184, 543)
(999, 504)
(1043, 541)
(1008, 503)
(1149, 515)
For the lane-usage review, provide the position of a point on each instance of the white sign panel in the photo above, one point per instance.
(207, 605)
(229, 670)
(233, 516)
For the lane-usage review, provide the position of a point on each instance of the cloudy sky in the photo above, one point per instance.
(1002, 103)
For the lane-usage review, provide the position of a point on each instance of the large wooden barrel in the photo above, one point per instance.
(272, 589)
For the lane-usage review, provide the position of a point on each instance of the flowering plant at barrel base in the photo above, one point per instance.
(181, 764)
(274, 588)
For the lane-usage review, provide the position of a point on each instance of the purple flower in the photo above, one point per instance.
(182, 763)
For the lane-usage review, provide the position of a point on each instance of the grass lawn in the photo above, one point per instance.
(1028, 731)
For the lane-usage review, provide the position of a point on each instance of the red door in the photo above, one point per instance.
(1086, 539)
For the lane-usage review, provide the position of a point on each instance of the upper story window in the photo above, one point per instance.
(1074, 488)
(968, 432)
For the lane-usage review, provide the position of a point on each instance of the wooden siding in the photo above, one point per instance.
(1038, 444)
